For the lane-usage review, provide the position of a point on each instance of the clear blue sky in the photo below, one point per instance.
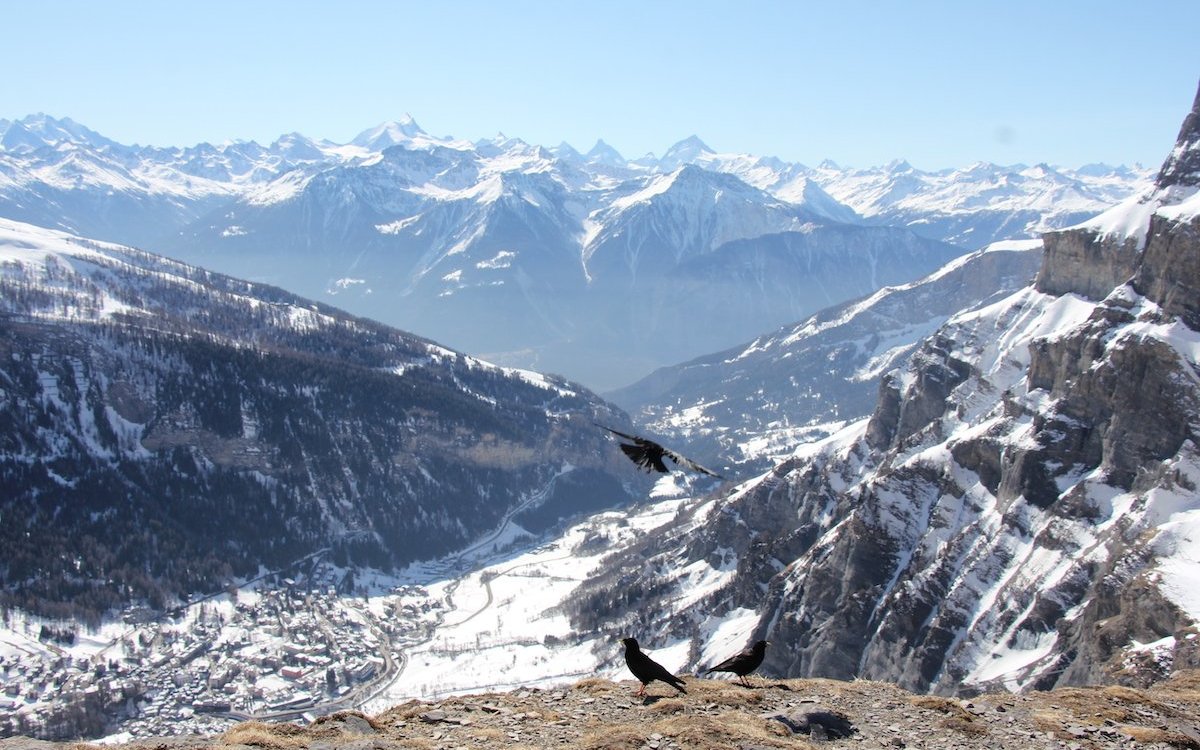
(938, 83)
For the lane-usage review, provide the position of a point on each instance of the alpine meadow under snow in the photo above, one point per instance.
(959, 410)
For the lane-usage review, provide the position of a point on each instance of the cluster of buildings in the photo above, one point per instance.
(283, 654)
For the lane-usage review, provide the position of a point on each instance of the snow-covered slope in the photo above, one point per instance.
(147, 405)
(755, 402)
(1018, 511)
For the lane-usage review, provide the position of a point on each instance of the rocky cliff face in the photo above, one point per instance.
(1080, 261)
(1169, 272)
(1182, 166)
(1018, 510)
(1152, 237)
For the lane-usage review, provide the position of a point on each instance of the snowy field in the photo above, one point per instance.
(488, 618)
(501, 624)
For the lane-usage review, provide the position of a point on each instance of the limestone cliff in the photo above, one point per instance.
(1018, 511)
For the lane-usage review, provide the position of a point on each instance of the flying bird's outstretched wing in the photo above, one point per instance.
(689, 463)
(649, 454)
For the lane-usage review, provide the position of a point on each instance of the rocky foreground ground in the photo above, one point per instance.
(597, 714)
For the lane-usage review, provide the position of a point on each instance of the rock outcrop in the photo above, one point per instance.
(1082, 262)
(597, 714)
(1182, 167)
(1152, 239)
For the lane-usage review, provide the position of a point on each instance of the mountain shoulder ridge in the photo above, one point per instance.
(599, 714)
(147, 404)
(1011, 517)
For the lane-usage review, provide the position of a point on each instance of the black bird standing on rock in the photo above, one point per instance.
(646, 669)
(744, 662)
(649, 454)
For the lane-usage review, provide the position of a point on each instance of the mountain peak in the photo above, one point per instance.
(297, 145)
(684, 152)
(896, 166)
(34, 131)
(691, 143)
(566, 151)
(1182, 167)
(391, 133)
(605, 154)
(292, 137)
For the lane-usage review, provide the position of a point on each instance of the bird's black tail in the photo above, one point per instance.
(677, 683)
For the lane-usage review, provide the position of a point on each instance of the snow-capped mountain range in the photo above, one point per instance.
(1019, 510)
(588, 264)
(981, 203)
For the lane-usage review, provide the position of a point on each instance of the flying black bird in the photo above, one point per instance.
(646, 669)
(744, 662)
(649, 454)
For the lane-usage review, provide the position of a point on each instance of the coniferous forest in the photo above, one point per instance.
(214, 428)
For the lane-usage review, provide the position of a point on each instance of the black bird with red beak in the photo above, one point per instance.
(646, 669)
